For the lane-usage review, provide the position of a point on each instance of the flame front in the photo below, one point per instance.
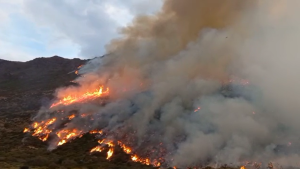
(71, 99)
(43, 129)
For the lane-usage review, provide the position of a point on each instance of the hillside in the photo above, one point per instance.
(24, 87)
(37, 74)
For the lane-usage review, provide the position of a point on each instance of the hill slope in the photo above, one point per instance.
(24, 87)
(37, 74)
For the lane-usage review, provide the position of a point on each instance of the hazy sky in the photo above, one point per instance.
(69, 28)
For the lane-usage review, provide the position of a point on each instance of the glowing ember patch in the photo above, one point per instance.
(96, 132)
(44, 138)
(197, 109)
(86, 96)
(71, 117)
(83, 115)
(110, 153)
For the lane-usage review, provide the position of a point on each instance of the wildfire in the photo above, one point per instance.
(145, 161)
(243, 167)
(42, 129)
(26, 130)
(126, 149)
(110, 153)
(61, 142)
(66, 135)
(71, 117)
(96, 132)
(97, 149)
(70, 99)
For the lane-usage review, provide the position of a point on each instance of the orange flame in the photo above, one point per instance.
(86, 96)
(96, 132)
(43, 129)
(71, 117)
(26, 130)
(126, 149)
(243, 167)
(66, 135)
(97, 149)
(110, 153)
(61, 142)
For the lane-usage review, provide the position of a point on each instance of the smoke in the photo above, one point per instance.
(176, 84)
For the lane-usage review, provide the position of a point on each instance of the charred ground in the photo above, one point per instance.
(24, 87)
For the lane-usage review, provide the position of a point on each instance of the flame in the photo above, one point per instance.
(96, 132)
(243, 167)
(66, 135)
(126, 149)
(110, 153)
(26, 130)
(42, 129)
(61, 142)
(145, 161)
(76, 72)
(70, 99)
(97, 149)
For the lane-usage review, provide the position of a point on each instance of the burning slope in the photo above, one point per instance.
(71, 99)
(172, 100)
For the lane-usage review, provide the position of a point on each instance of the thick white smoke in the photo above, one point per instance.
(171, 90)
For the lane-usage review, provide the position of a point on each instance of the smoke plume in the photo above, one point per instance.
(201, 82)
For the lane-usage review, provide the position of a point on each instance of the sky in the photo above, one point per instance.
(68, 28)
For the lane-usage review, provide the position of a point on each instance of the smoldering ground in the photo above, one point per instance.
(168, 73)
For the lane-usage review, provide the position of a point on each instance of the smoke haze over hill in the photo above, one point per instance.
(164, 76)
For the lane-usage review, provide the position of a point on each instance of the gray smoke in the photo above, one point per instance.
(177, 90)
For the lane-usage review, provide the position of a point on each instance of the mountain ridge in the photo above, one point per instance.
(39, 73)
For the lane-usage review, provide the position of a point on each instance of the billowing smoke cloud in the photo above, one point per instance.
(176, 88)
